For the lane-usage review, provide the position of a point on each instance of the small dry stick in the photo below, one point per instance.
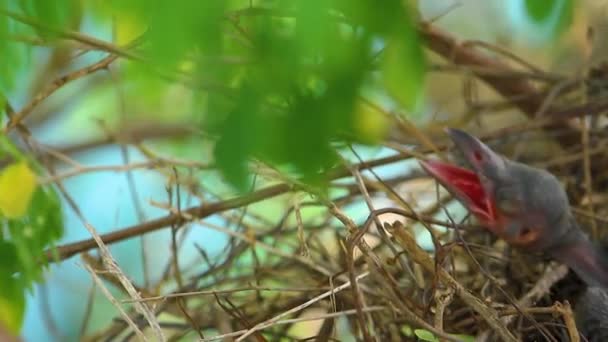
(115, 302)
(568, 316)
(299, 308)
(304, 251)
(296, 320)
(443, 299)
(420, 256)
(58, 83)
(112, 267)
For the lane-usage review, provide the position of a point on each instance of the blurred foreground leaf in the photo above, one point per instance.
(17, 185)
(556, 14)
(278, 81)
(12, 302)
(31, 222)
(301, 93)
(404, 68)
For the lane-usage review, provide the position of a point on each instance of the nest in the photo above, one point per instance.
(322, 273)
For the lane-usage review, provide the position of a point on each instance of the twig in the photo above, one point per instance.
(116, 304)
(442, 300)
(54, 86)
(296, 320)
(487, 314)
(303, 306)
(584, 123)
(216, 292)
(568, 316)
(74, 35)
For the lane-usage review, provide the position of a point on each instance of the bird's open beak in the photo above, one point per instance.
(473, 188)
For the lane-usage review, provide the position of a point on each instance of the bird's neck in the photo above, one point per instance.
(588, 260)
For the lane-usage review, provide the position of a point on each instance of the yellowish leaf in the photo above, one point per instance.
(128, 27)
(370, 124)
(17, 185)
(11, 314)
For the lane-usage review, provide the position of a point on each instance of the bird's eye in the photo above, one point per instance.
(527, 235)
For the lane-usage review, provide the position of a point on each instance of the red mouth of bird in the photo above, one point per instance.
(466, 186)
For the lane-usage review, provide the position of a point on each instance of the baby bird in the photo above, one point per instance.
(528, 208)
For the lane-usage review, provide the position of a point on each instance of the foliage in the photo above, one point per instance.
(284, 79)
(556, 13)
(32, 221)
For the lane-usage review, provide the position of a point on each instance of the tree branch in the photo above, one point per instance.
(57, 84)
(520, 91)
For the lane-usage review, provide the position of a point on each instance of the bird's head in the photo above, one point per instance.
(525, 206)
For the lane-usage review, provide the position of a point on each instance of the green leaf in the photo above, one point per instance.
(9, 264)
(312, 25)
(238, 137)
(33, 233)
(299, 93)
(425, 335)
(57, 15)
(308, 133)
(12, 54)
(186, 26)
(31, 217)
(404, 67)
(376, 17)
(555, 13)
(12, 303)
(540, 10)
(2, 104)
(17, 185)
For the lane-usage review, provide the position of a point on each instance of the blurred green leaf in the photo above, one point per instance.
(33, 222)
(12, 54)
(17, 185)
(238, 135)
(307, 73)
(37, 230)
(8, 258)
(288, 73)
(45, 217)
(308, 133)
(404, 67)
(540, 10)
(12, 303)
(184, 26)
(58, 14)
(377, 17)
(2, 103)
(556, 13)
(312, 25)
